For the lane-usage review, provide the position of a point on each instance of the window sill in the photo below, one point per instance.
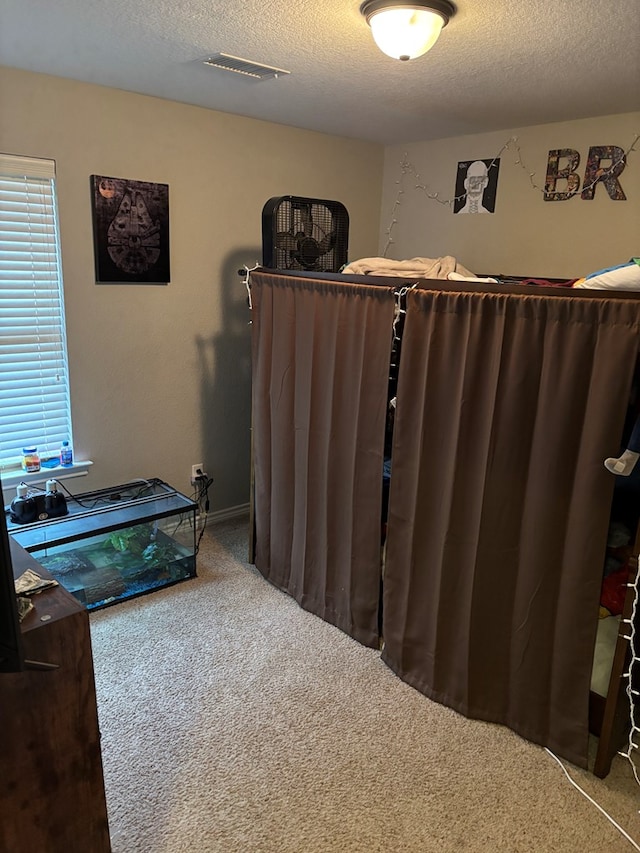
(10, 479)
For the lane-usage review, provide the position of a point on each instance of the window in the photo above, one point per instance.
(34, 385)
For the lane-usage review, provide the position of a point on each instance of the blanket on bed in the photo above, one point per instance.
(413, 268)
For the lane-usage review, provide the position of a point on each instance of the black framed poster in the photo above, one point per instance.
(476, 186)
(130, 230)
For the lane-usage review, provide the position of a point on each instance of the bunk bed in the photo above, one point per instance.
(508, 396)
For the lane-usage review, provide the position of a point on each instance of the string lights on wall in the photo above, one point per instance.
(407, 168)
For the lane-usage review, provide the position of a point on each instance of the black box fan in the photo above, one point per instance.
(304, 234)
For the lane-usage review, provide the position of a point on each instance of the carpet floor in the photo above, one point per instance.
(233, 721)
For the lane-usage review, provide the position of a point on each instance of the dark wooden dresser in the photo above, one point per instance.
(52, 797)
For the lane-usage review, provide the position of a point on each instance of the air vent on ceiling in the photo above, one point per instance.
(243, 66)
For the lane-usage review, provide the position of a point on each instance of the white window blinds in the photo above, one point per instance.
(34, 387)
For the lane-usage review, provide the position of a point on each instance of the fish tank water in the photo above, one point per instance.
(117, 543)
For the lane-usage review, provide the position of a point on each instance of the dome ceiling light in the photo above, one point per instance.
(406, 30)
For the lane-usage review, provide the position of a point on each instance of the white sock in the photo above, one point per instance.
(623, 465)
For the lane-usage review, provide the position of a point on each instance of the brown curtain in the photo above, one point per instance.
(499, 504)
(321, 354)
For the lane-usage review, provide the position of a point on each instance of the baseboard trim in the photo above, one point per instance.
(229, 513)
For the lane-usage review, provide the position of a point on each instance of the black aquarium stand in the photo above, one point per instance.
(116, 543)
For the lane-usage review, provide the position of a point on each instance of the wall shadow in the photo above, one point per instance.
(224, 362)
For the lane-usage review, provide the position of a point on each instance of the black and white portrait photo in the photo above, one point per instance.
(476, 186)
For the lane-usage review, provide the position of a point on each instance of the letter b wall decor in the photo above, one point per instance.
(604, 164)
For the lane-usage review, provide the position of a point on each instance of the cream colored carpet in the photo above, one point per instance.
(235, 722)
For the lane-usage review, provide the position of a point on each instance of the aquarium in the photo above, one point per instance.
(116, 543)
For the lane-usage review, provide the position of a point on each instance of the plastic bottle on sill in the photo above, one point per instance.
(66, 455)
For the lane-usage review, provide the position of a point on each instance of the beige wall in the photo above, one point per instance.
(160, 376)
(526, 235)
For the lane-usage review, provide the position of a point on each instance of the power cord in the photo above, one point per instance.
(103, 499)
(592, 801)
(201, 496)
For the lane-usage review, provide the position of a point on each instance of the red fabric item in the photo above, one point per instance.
(614, 589)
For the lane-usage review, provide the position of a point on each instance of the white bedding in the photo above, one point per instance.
(606, 640)
(413, 268)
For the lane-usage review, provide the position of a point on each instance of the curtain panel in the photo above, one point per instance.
(321, 354)
(499, 504)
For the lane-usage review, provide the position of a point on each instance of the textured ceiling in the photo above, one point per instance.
(498, 64)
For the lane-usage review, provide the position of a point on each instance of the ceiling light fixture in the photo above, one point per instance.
(406, 30)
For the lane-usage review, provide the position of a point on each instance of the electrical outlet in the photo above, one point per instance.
(199, 466)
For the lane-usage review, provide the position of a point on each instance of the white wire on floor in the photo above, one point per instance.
(634, 728)
(593, 802)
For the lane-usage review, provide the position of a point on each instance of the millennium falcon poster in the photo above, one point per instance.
(130, 230)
